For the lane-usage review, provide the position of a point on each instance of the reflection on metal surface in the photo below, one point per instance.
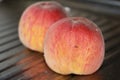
(35, 68)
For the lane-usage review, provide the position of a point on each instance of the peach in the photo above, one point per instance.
(74, 45)
(36, 20)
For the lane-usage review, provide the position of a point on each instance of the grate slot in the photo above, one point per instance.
(12, 61)
(9, 46)
(18, 68)
(115, 51)
(5, 20)
(109, 26)
(8, 39)
(11, 52)
(7, 27)
(27, 65)
(111, 33)
(112, 43)
(113, 56)
(8, 33)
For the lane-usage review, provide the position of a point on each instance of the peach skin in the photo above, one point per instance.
(36, 20)
(74, 45)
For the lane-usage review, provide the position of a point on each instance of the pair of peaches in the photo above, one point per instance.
(70, 44)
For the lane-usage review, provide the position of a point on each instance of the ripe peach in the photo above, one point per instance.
(36, 20)
(74, 45)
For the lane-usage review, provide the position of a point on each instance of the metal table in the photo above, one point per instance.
(19, 63)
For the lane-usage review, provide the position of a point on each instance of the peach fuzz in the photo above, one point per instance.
(36, 20)
(74, 46)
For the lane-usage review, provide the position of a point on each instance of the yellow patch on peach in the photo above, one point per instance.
(36, 20)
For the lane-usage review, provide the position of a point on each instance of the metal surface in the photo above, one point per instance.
(20, 63)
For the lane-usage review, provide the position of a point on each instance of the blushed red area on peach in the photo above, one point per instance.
(74, 48)
(35, 22)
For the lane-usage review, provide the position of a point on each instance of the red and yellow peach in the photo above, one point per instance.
(35, 22)
(74, 45)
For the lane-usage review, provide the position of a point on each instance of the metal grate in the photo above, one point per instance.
(20, 63)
